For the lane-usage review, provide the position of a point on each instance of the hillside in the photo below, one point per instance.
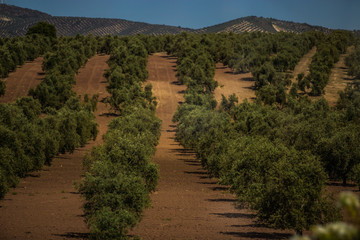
(15, 21)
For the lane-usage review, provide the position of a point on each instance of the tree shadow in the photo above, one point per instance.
(171, 130)
(196, 172)
(251, 88)
(236, 215)
(254, 225)
(76, 193)
(176, 83)
(258, 235)
(191, 162)
(219, 188)
(248, 79)
(222, 200)
(340, 184)
(207, 183)
(34, 175)
(109, 115)
(73, 235)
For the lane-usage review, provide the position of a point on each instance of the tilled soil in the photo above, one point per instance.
(242, 84)
(22, 80)
(46, 205)
(338, 79)
(303, 64)
(188, 204)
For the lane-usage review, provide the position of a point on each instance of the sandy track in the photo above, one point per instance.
(22, 80)
(338, 79)
(46, 205)
(241, 84)
(303, 64)
(188, 204)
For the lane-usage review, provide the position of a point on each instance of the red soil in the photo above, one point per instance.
(303, 64)
(338, 79)
(46, 205)
(22, 80)
(241, 84)
(188, 204)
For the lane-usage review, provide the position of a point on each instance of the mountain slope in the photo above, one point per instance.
(15, 21)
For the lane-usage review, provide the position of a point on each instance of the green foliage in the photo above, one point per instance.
(339, 230)
(61, 64)
(277, 158)
(353, 61)
(15, 51)
(327, 55)
(2, 87)
(44, 29)
(30, 140)
(120, 174)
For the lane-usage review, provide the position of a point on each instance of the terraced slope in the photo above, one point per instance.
(45, 205)
(188, 204)
(241, 84)
(22, 80)
(338, 79)
(15, 21)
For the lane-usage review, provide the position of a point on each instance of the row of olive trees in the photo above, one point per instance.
(120, 174)
(328, 52)
(266, 155)
(15, 51)
(60, 65)
(353, 60)
(30, 140)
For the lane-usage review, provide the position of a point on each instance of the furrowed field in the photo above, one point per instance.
(187, 136)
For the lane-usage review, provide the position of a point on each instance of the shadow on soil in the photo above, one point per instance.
(109, 115)
(176, 83)
(34, 175)
(236, 215)
(340, 184)
(258, 235)
(74, 235)
(219, 188)
(255, 225)
(222, 200)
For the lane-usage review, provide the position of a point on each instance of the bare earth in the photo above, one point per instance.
(46, 205)
(241, 84)
(188, 204)
(303, 64)
(338, 79)
(22, 80)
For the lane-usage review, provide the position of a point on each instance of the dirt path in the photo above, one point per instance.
(241, 84)
(338, 79)
(46, 205)
(187, 204)
(22, 80)
(303, 64)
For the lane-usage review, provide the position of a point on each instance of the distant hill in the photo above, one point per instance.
(260, 24)
(15, 21)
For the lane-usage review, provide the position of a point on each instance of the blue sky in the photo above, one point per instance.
(344, 14)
